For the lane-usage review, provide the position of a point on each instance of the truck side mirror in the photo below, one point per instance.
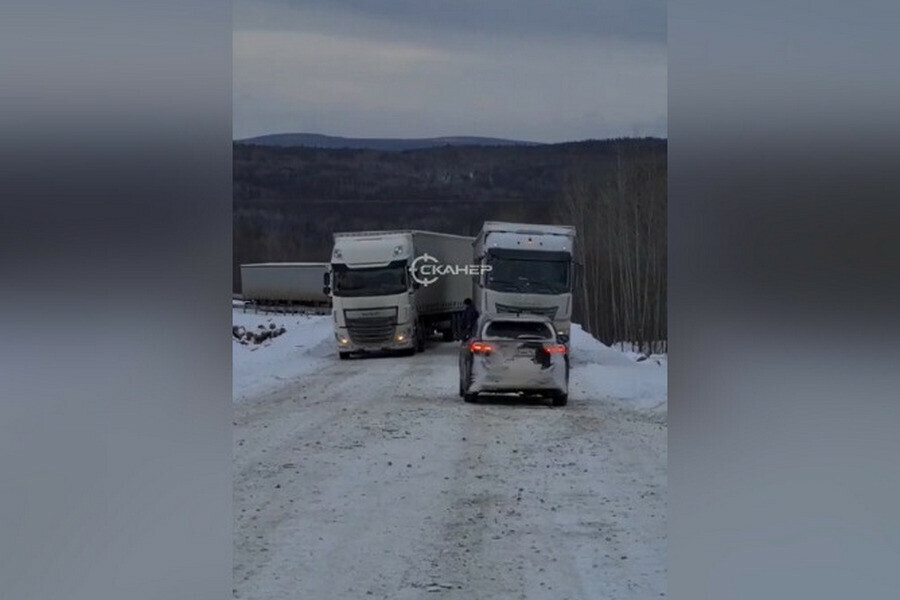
(326, 290)
(563, 338)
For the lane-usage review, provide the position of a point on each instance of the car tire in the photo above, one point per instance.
(344, 355)
(470, 397)
(560, 399)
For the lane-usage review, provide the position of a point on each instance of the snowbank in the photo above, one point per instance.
(601, 372)
(306, 346)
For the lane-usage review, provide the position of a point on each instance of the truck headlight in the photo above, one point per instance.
(403, 335)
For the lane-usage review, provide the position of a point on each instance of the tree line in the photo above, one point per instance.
(621, 269)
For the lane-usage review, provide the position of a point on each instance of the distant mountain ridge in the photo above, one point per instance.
(317, 140)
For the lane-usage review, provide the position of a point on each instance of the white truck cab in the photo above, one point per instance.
(372, 293)
(377, 305)
(531, 271)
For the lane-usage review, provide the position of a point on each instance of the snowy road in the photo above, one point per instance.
(371, 478)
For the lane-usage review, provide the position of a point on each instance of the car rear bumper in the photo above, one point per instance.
(518, 376)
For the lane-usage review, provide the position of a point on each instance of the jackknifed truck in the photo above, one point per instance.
(391, 289)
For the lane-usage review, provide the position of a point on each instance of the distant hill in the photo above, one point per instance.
(315, 140)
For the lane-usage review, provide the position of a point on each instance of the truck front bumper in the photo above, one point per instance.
(403, 338)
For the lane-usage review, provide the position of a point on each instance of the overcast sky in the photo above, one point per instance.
(537, 70)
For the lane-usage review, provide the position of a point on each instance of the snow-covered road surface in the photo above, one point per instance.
(371, 478)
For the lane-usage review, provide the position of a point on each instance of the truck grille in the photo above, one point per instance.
(547, 311)
(371, 330)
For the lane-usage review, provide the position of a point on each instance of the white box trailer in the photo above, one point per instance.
(448, 291)
(292, 282)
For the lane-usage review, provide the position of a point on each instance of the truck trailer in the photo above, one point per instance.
(528, 269)
(386, 293)
(284, 282)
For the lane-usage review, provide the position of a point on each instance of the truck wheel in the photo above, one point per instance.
(344, 355)
(560, 399)
(448, 335)
(420, 340)
(470, 397)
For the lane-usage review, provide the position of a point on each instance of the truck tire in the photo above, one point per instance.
(448, 335)
(344, 355)
(420, 340)
(470, 397)
(560, 399)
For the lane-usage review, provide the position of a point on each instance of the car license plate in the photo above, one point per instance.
(525, 352)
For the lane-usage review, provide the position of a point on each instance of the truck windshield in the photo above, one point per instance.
(378, 281)
(528, 273)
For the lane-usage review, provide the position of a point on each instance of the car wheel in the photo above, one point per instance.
(560, 399)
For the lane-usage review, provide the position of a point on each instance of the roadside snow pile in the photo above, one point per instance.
(302, 347)
(586, 349)
(601, 372)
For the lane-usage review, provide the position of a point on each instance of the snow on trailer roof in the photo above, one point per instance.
(526, 228)
(395, 232)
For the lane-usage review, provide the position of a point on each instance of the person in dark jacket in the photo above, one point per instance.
(468, 319)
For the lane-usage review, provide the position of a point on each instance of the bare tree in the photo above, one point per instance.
(619, 210)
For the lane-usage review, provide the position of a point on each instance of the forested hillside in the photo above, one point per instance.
(288, 201)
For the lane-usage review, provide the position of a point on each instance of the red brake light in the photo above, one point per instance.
(555, 349)
(480, 348)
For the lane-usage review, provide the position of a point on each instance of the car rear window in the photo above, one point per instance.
(515, 330)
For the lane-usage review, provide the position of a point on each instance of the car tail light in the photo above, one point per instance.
(480, 348)
(555, 349)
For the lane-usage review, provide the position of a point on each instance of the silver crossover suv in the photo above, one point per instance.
(514, 353)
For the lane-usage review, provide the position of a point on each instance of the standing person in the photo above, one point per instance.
(469, 319)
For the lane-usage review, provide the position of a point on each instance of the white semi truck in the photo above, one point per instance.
(378, 305)
(531, 270)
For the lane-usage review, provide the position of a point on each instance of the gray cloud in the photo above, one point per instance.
(540, 72)
(643, 20)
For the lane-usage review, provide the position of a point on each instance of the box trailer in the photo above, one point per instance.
(284, 282)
